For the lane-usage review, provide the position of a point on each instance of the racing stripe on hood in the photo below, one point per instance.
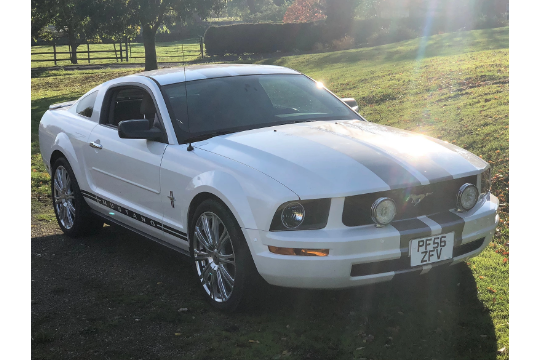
(434, 158)
(405, 148)
(392, 171)
(289, 158)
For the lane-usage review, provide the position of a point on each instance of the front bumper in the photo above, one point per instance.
(365, 254)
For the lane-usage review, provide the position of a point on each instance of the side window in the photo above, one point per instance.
(85, 107)
(131, 103)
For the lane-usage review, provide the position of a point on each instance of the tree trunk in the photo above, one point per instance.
(149, 40)
(73, 44)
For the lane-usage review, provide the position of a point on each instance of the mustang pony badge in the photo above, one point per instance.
(416, 199)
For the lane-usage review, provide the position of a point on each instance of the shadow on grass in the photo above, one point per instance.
(120, 295)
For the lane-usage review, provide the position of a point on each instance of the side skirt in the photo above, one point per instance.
(137, 231)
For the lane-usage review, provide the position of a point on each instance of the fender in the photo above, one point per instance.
(63, 144)
(227, 189)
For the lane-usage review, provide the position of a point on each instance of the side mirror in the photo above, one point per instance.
(351, 102)
(138, 129)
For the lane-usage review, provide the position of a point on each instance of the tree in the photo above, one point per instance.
(305, 10)
(150, 15)
(79, 20)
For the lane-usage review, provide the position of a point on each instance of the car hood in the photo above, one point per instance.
(341, 158)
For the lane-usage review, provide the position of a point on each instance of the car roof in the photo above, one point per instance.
(198, 72)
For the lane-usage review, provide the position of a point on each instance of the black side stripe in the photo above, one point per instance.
(135, 215)
(174, 232)
(450, 222)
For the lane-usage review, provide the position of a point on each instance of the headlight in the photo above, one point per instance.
(301, 215)
(467, 197)
(292, 216)
(485, 182)
(383, 211)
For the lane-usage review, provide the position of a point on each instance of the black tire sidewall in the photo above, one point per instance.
(244, 269)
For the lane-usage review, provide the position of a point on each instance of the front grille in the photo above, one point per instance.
(404, 262)
(357, 208)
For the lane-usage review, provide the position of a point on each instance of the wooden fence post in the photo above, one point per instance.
(54, 50)
(202, 47)
(115, 55)
(69, 50)
(127, 58)
(88, 49)
(121, 58)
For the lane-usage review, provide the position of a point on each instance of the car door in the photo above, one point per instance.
(124, 174)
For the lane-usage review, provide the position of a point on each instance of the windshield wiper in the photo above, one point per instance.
(206, 136)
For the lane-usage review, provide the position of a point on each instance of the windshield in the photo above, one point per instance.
(239, 103)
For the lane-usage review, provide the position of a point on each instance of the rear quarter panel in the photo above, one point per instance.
(66, 132)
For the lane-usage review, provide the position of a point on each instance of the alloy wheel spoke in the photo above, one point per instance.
(229, 258)
(206, 229)
(65, 180)
(215, 230)
(204, 274)
(214, 285)
(71, 208)
(221, 285)
(200, 255)
(225, 274)
(57, 185)
(200, 237)
(224, 236)
(58, 178)
(69, 218)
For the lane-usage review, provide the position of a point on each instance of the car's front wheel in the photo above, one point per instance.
(220, 255)
(72, 212)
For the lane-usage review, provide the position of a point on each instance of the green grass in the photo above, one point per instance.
(451, 86)
(185, 50)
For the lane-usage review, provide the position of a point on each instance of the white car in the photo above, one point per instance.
(260, 171)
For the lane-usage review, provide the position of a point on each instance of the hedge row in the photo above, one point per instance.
(261, 38)
(271, 37)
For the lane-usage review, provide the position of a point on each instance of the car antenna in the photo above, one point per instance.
(190, 147)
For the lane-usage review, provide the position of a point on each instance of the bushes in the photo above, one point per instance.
(261, 38)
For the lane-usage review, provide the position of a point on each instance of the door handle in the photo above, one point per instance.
(96, 145)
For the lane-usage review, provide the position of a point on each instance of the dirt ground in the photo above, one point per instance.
(118, 295)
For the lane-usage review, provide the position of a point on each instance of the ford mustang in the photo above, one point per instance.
(260, 172)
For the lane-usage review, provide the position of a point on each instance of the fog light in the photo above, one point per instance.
(298, 252)
(383, 211)
(467, 197)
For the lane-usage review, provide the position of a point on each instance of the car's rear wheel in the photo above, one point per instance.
(220, 255)
(72, 212)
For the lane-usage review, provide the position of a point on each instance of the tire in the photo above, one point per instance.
(226, 285)
(72, 212)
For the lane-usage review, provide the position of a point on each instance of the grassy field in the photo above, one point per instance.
(118, 295)
(175, 51)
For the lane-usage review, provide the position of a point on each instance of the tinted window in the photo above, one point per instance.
(85, 107)
(131, 103)
(243, 102)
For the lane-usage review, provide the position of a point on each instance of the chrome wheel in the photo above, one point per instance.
(214, 256)
(64, 197)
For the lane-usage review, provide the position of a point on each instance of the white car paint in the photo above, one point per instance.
(253, 172)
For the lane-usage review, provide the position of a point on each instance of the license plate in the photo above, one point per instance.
(431, 249)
